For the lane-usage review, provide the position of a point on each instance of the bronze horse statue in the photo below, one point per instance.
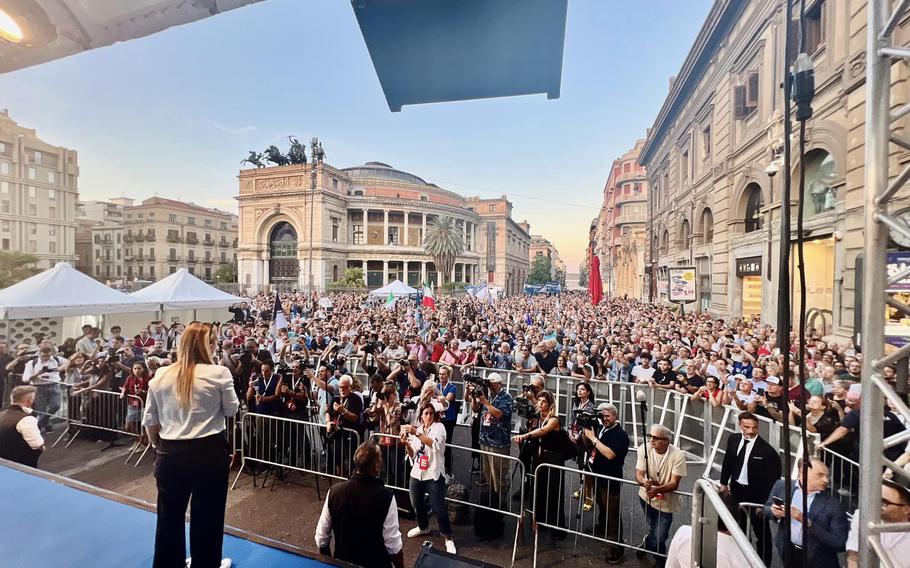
(274, 155)
(297, 152)
(255, 159)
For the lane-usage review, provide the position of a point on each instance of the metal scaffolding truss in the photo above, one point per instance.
(878, 221)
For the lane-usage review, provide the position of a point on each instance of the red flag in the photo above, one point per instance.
(595, 286)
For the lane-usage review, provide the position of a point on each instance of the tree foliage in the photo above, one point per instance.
(444, 242)
(583, 277)
(540, 270)
(16, 266)
(227, 273)
(352, 278)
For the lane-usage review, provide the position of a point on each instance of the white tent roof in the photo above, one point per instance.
(397, 288)
(181, 290)
(64, 291)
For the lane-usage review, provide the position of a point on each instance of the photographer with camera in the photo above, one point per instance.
(343, 414)
(609, 446)
(548, 450)
(408, 376)
(43, 373)
(262, 394)
(250, 358)
(495, 409)
(584, 411)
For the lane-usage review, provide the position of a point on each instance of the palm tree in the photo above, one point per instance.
(353, 277)
(16, 266)
(444, 242)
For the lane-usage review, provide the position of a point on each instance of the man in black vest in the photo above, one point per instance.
(362, 515)
(20, 437)
(750, 468)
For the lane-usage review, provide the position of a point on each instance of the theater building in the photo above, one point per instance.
(372, 217)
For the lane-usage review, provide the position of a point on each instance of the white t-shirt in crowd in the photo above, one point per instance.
(641, 374)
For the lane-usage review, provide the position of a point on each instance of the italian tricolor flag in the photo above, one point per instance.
(390, 301)
(428, 299)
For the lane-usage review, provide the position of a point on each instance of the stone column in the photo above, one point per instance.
(423, 228)
(385, 270)
(364, 264)
(474, 236)
(385, 227)
(404, 240)
(423, 272)
(454, 264)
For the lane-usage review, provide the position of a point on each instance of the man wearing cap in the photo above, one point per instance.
(770, 405)
(495, 436)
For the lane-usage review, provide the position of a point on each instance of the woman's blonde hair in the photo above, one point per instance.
(195, 348)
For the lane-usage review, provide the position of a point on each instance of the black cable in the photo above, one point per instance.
(783, 287)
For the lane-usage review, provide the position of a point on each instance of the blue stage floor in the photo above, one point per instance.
(51, 525)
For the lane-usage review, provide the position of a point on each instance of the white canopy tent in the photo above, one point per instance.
(397, 288)
(181, 290)
(64, 291)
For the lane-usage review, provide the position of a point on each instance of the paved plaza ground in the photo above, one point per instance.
(287, 510)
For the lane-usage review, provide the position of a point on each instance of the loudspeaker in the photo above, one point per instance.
(430, 557)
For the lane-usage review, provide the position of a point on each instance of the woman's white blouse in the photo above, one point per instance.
(214, 399)
(436, 465)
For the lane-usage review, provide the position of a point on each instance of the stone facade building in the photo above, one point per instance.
(372, 217)
(540, 246)
(161, 235)
(622, 238)
(38, 195)
(715, 203)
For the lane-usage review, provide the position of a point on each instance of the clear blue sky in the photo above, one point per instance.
(174, 113)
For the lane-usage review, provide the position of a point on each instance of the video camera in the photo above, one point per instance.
(477, 386)
(587, 419)
(370, 348)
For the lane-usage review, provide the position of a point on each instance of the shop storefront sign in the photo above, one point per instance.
(750, 266)
(681, 285)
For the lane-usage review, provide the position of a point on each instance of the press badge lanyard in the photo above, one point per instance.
(423, 457)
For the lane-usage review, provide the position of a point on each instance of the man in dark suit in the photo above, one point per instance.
(823, 531)
(750, 468)
(241, 313)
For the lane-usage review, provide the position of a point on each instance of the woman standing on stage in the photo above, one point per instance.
(185, 418)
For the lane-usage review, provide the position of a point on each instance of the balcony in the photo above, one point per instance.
(192, 241)
(174, 239)
(139, 238)
(128, 256)
(629, 218)
(128, 238)
(192, 260)
(235, 243)
(631, 176)
(208, 242)
(208, 261)
(173, 259)
(625, 198)
(150, 238)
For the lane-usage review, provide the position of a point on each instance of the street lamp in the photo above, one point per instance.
(771, 170)
(318, 155)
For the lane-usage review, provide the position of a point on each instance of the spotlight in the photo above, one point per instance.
(9, 29)
(25, 23)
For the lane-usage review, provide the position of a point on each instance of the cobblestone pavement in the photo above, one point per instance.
(287, 510)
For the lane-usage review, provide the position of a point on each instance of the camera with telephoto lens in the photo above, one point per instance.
(525, 408)
(370, 348)
(408, 404)
(587, 419)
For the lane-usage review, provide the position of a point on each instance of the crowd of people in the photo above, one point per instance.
(407, 359)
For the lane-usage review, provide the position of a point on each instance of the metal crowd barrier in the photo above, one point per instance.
(707, 508)
(107, 411)
(278, 442)
(843, 474)
(512, 473)
(616, 516)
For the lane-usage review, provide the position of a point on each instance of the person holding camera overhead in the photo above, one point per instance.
(425, 445)
(610, 444)
(583, 405)
(495, 411)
